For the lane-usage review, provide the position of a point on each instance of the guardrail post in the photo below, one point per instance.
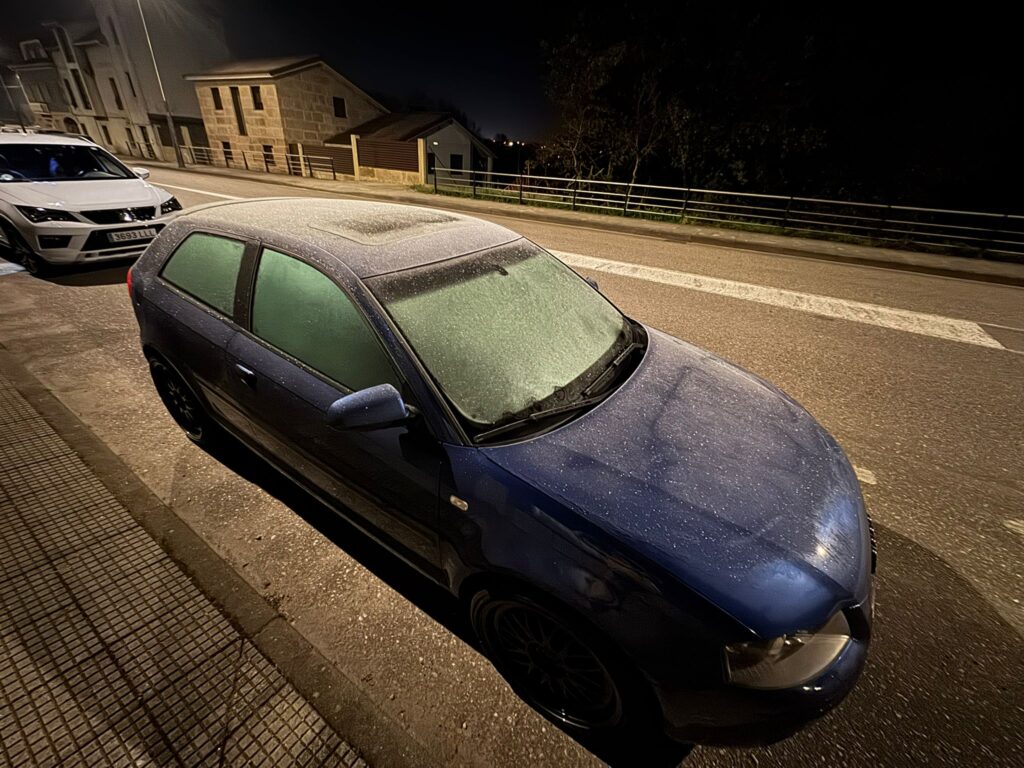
(435, 178)
(575, 186)
(245, 160)
(472, 183)
(785, 216)
(309, 167)
(520, 189)
(266, 165)
(686, 200)
(881, 222)
(334, 171)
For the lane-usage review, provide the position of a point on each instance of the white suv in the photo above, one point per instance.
(64, 200)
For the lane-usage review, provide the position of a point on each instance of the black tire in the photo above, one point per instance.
(183, 405)
(560, 667)
(33, 263)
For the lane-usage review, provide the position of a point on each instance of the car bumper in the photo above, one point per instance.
(734, 716)
(77, 243)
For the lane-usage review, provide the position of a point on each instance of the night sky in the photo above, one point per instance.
(400, 53)
(920, 105)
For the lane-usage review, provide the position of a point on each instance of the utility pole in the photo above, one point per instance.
(163, 95)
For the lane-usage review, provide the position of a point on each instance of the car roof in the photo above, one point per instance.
(43, 138)
(370, 238)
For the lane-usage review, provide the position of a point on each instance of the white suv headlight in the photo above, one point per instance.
(39, 215)
(787, 661)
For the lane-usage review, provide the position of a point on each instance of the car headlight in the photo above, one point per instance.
(787, 661)
(38, 215)
(169, 206)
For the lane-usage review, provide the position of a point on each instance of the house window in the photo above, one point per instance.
(236, 102)
(455, 162)
(340, 109)
(217, 103)
(229, 156)
(117, 94)
(80, 83)
(71, 93)
(131, 84)
(257, 97)
(268, 155)
(32, 50)
(106, 135)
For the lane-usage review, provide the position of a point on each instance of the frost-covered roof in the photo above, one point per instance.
(370, 238)
(257, 68)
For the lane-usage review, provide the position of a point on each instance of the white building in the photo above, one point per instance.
(102, 70)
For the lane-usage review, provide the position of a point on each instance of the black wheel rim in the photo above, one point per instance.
(551, 668)
(181, 404)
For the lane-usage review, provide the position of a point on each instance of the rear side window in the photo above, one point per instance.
(206, 267)
(304, 313)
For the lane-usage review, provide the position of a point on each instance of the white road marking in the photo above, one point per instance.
(865, 476)
(1017, 526)
(200, 191)
(921, 323)
(906, 320)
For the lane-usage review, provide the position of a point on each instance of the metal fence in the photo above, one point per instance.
(289, 163)
(968, 232)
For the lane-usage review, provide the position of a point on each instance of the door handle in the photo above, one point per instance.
(246, 375)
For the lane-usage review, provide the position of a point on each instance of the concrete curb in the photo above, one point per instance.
(338, 700)
(981, 270)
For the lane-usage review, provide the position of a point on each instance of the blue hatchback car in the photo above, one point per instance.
(644, 536)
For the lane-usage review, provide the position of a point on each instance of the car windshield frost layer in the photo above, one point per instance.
(506, 331)
(58, 162)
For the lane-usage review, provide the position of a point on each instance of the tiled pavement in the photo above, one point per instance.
(109, 654)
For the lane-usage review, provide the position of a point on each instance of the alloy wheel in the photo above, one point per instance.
(549, 665)
(180, 401)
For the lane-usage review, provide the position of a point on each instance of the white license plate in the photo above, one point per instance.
(135, 234)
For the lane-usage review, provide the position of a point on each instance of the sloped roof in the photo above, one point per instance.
(396, 126)
(403, 126)
(257, 68)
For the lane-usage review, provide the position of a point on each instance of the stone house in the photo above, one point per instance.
(264, 112)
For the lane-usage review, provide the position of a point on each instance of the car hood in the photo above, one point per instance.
(83, 195)
(720, 479)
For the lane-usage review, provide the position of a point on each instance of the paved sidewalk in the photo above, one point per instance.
(109, 654)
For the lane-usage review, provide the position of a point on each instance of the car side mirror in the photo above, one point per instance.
(142, 173)
(371, 408)
(593, 283)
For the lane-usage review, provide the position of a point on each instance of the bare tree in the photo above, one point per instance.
(577, 80)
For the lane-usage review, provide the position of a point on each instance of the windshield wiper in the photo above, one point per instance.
(613, 366)
(537, 416)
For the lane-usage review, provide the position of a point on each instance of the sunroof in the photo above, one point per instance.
(386, 223)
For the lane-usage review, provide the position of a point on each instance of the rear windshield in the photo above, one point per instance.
(58, 162)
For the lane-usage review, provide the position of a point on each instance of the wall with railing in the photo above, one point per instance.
(319, 166)
(992, 235)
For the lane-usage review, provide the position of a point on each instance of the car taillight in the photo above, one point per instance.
(129, 282)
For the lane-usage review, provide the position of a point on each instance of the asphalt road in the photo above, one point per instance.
(920, 378)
